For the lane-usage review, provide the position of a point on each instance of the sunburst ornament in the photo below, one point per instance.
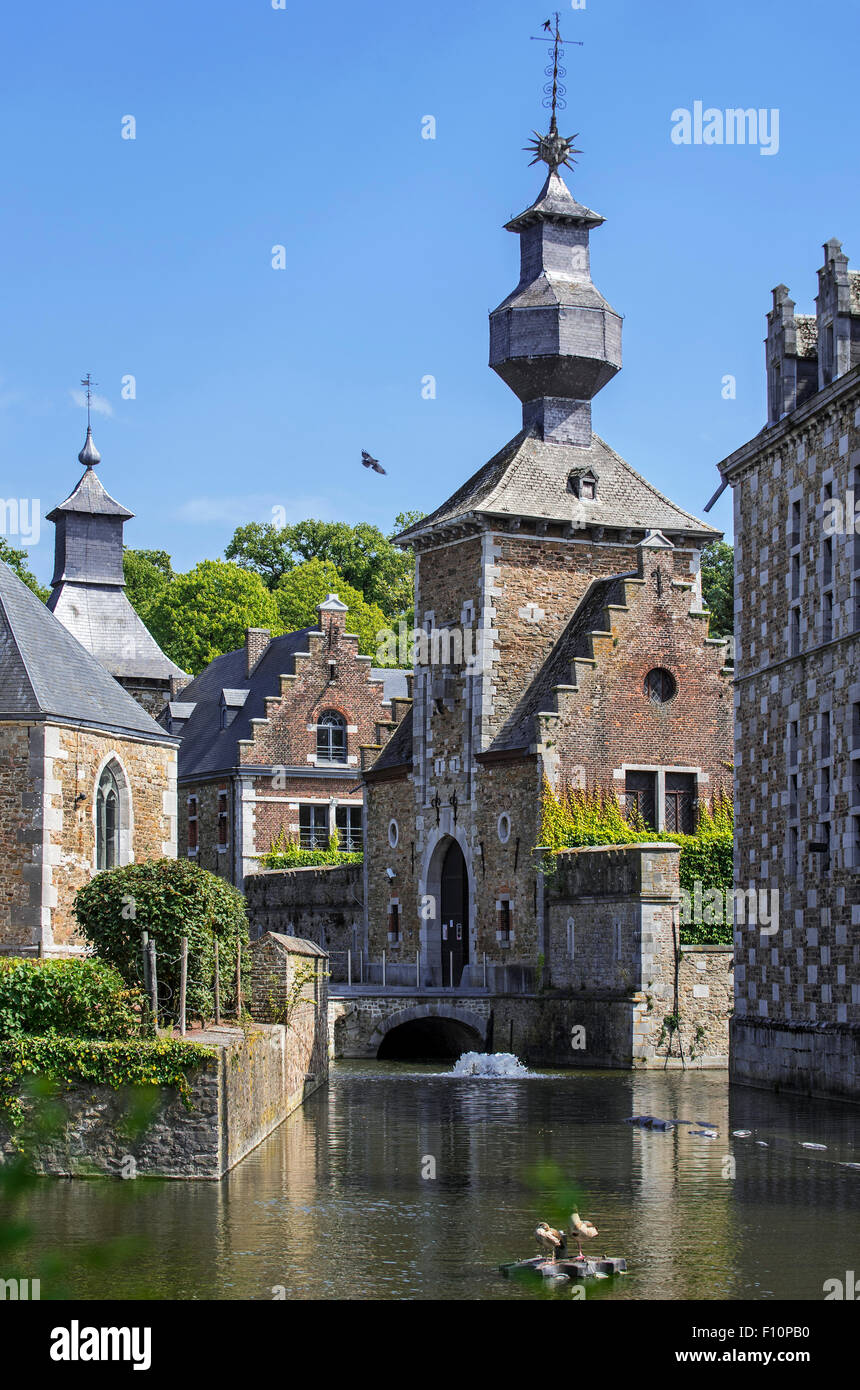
(553, 149)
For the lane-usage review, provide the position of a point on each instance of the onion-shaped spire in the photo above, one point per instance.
(89, 455)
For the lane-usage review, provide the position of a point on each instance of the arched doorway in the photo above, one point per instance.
(454, 914)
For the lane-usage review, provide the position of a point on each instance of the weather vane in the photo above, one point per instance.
(88, 383)
(553, 149)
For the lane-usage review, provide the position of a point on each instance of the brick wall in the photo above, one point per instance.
(324, 905)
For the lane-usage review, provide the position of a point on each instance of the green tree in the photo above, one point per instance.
(718, 586)
(147, 574)
(168, 898)
(363, 555)
(200, 615)
(17, 561)
(300, 593)
(404, 520)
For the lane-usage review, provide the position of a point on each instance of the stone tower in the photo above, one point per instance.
(555, 340)
(88, 590)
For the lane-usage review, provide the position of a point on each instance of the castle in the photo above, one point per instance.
(566, 643)
(796, 1022)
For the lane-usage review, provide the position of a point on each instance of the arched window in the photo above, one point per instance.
(331, 737)
(107, 821)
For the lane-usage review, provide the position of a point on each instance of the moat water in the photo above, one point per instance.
(398, 1182)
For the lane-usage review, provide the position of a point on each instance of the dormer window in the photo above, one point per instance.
(583, 484)
(331, 737)
(231, 702)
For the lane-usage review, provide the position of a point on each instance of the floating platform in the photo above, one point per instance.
(586, 1268)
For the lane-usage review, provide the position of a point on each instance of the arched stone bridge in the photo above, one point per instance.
(375, 1024)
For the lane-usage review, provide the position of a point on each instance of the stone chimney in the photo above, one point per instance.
(257, 640)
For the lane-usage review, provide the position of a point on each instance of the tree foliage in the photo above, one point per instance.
(168, 898)
(300, 593)
(718, 586)
(199, 615)
(147, 574)
(362, 554)
(17, 561)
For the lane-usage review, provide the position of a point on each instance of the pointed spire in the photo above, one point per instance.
(89, 455)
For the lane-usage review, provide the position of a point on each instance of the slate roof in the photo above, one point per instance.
(45, 671)
(101, 617)
(528, 478)
(206, 748)
(90, 496)
(555, 202)
(398, 750)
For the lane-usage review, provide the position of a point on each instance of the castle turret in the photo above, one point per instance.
(555, 341)
(88, 589)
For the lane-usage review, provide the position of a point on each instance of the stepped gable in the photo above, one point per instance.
(397, 752)
(206, 747)
(45, 673)
(518, 731)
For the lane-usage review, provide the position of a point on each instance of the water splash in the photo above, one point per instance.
(489, 1064)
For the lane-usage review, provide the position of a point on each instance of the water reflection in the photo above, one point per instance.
(334, 1203)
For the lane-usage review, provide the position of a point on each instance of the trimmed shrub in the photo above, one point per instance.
(72, 998)
(169, 899)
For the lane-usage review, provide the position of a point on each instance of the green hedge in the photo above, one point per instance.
(76, 998)
(168, 898)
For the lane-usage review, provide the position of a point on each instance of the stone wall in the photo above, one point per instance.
(640, 997)
(238, 1097)
(324, 905)
(800, 1058)
(797, 742)
(289, 985)
(48, 779)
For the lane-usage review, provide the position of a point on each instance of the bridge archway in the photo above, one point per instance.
(427, 1032)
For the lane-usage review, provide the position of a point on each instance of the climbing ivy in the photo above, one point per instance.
(115, 1063)
(590, 816)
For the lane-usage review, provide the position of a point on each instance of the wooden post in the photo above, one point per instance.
(153, 984)
(238, 981)
(217, 986)
(183, 982)
(144, 948)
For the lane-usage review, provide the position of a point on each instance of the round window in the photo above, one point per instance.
(660, 686)
(393, 833)
(504, 827)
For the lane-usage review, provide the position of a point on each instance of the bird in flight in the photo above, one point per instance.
(370, 462)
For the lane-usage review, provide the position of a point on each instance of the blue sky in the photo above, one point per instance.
(301, 127)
